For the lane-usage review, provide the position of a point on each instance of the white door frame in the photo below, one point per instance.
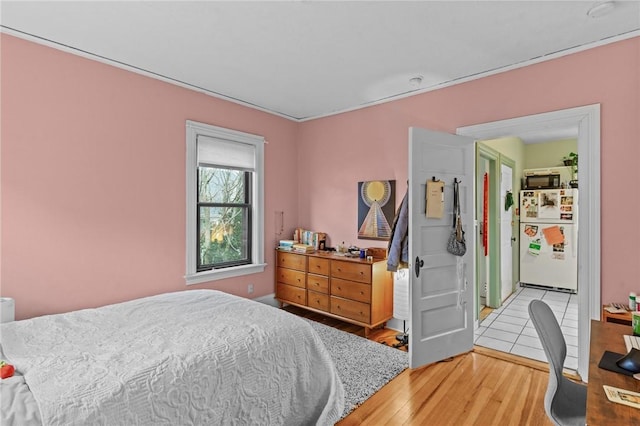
(583, 122)
(492, 262)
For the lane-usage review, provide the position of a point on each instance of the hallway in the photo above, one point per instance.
(509, 329)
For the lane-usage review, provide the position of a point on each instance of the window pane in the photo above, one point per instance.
(221, 185)
(223, 235)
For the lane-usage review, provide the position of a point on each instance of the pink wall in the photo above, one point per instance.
(371, 143)
(93, 180)
(92, 167)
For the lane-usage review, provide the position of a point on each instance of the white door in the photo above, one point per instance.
(506, 233)
(441, 284)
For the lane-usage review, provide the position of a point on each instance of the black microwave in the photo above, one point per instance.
(548, 181)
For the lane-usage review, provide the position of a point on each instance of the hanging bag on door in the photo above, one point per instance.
(456, 244)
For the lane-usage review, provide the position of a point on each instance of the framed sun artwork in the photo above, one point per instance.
(376, 209)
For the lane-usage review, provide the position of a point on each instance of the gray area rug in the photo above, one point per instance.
(363, 365)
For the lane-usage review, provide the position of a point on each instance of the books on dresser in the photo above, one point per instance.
(286, 245)
(303, 248)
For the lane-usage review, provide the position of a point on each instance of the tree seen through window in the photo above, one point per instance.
(223, 210)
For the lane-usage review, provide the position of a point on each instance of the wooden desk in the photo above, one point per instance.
(607, 336)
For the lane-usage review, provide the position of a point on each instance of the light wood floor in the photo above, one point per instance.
(472, 389)
(482, 387)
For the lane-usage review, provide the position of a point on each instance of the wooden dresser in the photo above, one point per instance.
(351, 289)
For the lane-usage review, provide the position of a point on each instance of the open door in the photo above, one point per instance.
(507, 228)
(441, 284)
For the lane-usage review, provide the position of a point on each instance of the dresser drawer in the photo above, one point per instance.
(318, 300)
(318, 283)
(291, 294)
(352, 271)
(350, 309)
(291, 277)
(351, 290)
(318, 266)
(292, 261)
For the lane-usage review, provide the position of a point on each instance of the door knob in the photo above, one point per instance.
(419, 264)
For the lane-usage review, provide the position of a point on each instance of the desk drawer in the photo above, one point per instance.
(351, 309)
(318, 266)
(291, 277)
(318, 283)
(351, 271)
(318, 300)
(291, 294)
(292, 261)
(351, 290)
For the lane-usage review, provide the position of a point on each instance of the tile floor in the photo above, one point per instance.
(509, 329)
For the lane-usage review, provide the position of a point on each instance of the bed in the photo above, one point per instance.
(195, 357)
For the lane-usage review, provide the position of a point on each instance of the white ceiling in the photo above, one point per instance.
(307, 59)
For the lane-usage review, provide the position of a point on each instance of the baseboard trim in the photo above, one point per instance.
(531, 363)
(397, 324)
(269, 299)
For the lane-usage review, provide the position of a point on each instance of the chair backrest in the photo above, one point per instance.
(565, 401)
(553, 344)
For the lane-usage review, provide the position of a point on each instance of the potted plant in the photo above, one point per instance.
(572, 160)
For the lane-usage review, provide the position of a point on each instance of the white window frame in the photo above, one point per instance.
(257, 225)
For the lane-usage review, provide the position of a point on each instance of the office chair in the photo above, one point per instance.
(565, 401)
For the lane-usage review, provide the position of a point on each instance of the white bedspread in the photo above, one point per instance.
(194, 357)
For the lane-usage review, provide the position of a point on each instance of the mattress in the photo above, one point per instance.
(191, 357)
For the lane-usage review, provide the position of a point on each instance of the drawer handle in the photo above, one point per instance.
(362, 293)
(339, 270)
(339, 288)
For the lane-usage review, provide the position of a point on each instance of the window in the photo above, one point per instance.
(224, 217)
(224, 203)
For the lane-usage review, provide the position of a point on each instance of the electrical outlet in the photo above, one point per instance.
(250, 288)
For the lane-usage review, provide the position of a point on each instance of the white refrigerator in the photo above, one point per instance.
(549, 238)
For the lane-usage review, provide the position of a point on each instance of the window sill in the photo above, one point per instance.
(219, 274)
